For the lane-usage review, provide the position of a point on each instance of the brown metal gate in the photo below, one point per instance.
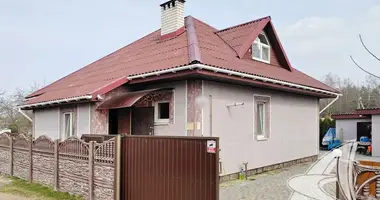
(169, 168)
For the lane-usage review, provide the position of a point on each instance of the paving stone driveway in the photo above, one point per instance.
(267, 186)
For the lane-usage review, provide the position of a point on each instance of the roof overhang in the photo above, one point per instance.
(216, 71)
(55, 102)
(125, 100)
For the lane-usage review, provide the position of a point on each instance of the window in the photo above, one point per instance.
(261, 117)
(162, 112)
(68, 117)
(260, 120)
(261, 48)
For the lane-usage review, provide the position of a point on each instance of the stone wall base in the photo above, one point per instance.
(251, 172)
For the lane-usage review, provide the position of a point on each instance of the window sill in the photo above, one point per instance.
(261, 60)
(261, 139)
(161, 123)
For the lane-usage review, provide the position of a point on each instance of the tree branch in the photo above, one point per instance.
(363, 69)
(365, 47)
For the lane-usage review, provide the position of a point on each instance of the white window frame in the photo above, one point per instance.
(156, 119)
(71, 133)
(261, 46)
(267, 105)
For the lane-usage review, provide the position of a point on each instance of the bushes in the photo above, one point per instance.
(324, 125)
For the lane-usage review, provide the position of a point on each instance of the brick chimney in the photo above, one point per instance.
(172, 18)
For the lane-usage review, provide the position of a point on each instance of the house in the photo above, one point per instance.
(191, 79)
(362, 122)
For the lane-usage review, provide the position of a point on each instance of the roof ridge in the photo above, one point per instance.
(203, 22)
(243, 24)
(192, 41)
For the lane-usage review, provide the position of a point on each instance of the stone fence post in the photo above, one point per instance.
(56, 165)
(30, 159)
(11, 156)
(91, 169)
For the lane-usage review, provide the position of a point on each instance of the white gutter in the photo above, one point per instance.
(65, 100)
(230, 72)
(328, 105)
(25, 115)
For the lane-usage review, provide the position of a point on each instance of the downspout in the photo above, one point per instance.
(328, 105)
(25, 115)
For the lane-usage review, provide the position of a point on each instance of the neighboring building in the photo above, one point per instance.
(5, 131)
(363, 122)
(191, 79)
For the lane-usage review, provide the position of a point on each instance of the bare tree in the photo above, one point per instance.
(9, 115)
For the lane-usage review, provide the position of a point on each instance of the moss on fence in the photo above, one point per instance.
(23, 188)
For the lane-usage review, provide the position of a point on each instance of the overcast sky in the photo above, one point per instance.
(44, 40)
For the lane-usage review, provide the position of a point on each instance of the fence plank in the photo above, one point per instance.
(91, 170)
(11, 156)
(56, 167)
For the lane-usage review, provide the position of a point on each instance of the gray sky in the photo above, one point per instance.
(44, 40)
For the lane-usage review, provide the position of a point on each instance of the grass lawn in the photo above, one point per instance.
(36, 191)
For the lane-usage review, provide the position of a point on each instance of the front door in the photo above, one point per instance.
(364, 129)
(143, 121)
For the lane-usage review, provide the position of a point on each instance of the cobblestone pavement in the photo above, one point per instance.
(266, 186)
(272, 185)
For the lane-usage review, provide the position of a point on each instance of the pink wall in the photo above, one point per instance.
(294, 127)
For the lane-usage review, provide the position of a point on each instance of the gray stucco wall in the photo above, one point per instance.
(84, 119)
(293, 132)
(46, 122)
(178, 128)
(346, 129)
(375, 135)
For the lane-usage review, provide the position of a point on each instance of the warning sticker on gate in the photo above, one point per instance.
(211, 146)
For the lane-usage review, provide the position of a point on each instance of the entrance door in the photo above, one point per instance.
(112, 122)
(143, 121)
(363, 129)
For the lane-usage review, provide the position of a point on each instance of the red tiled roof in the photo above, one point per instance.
(349, 116)
(209, 46)
(368, 111)
(237, 36)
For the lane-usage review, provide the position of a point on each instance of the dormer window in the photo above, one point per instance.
(261, 48)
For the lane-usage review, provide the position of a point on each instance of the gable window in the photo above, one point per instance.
(261, 48)
(162, 110)
(68, 125)
(261, 117)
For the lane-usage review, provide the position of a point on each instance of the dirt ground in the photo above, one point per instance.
(4, 196)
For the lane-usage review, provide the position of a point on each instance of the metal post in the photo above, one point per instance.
(246, 170)
(337, 196)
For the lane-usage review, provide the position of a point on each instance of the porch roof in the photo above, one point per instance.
(124, 100)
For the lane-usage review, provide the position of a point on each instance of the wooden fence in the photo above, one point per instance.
(73, 166)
